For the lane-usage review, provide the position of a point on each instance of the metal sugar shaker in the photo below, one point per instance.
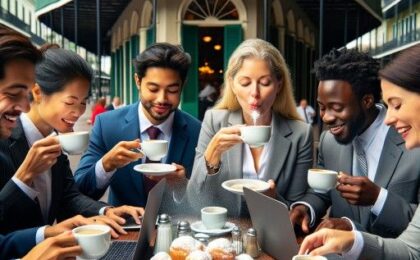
(251, 246)
(183, 229)
(164, 234)
(237, 240)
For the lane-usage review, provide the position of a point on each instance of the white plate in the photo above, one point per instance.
(236, 185)
(155, 169)
(198, 227)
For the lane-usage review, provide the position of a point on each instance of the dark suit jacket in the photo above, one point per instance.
(17, 244)
(398, 172)
(109, 107)
(126, 186)
(20, 211)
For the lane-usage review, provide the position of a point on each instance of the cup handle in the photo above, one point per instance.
(138, 150)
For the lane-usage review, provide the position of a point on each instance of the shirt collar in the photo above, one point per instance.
(165, 127)
(31, 132)
(369, 134)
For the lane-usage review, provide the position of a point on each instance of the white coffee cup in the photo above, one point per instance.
(214, 217)
(94, 240)
(74, 142)
(155, 150)
(322, 180)
(256, 135)
(309, 257)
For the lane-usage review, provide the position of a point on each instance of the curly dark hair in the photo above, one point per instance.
(357, 68)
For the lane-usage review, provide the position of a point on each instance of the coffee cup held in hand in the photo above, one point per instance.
(256, 135)
(155, 150)
(322, 180)
(213, 217)
(74, 142)
(94, 240)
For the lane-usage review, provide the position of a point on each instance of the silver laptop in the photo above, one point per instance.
(270, 219)
(141, 249)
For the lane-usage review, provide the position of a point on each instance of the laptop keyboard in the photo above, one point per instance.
(121, 250)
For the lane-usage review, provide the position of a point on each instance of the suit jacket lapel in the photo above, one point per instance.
(391, 154)
(19, 148)
(235, 154)
(56, 189)
(345, 164)
(131, 130)
(178, 140)
(280, 146)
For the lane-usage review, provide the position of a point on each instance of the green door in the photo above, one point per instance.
(189, 98)
(233, 36)
(150, 35)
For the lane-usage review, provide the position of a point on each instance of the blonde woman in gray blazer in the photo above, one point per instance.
(400, 82)
(257, 79)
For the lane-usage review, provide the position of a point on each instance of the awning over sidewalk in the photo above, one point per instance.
(344, 20)
(45, 6)
(49, 13)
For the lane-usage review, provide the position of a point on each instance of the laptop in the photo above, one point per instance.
(270, 219)
(141, 250)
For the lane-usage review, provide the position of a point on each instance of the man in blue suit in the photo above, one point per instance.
(161, 72)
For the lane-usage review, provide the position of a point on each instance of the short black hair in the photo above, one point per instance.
(357, 68)
(404, 71)
(13, 46)
(163, 55)
(59, 67)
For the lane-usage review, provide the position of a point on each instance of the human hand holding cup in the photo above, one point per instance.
(213, 217)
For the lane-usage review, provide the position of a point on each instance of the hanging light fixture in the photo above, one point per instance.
(207, 38)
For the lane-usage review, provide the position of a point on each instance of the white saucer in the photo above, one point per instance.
(198, 227)
(155, 169)
(255, 185)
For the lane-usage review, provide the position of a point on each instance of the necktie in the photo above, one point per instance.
(362, 166)
(153, 133)
(306, 116)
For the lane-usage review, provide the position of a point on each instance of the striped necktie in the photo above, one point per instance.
(362, 166)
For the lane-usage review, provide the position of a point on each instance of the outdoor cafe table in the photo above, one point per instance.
(243, 223)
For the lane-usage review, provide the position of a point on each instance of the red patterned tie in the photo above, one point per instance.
(153, 133)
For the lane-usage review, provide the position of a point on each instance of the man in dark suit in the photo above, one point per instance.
(17, 65)
(379, 181)
(160, 75)
(115, 104)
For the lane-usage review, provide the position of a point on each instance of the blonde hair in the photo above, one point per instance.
(284, 104)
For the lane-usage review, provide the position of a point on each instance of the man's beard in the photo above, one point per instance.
(353, 129)
(158, 117)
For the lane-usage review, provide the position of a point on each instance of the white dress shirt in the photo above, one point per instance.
(310, 113)
(103, 178)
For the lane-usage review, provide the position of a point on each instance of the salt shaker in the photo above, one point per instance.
(237, 240)
(183, 229)
(203, 238)
(251, 246)
(164, 234)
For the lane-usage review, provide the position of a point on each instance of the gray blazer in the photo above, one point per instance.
(406, 246)
(290, 159)
(398, 172)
